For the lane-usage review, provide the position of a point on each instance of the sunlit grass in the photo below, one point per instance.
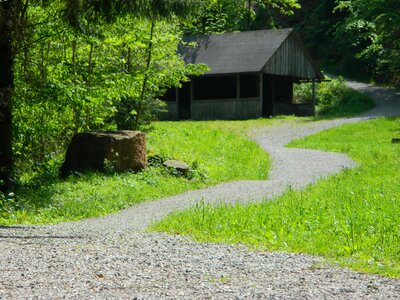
(214, 150)
(352, 218)
(217, 151)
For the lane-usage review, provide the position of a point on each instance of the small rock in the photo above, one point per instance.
(177, 165)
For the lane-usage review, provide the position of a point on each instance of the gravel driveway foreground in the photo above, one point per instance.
(112, 258)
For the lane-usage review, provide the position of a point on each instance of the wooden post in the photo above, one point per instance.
(313, 95)
(191, 90)
(261, 93)
(238, 87)
(177, 103)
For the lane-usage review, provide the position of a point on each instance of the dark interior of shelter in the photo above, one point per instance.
(277, 92)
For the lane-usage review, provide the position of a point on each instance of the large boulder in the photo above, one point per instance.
(118, 150)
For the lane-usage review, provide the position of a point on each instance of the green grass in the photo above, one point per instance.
(217, 151)
(214, 150)
(352, 218)
(212, 146)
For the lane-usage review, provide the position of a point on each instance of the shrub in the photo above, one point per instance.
(333, 97)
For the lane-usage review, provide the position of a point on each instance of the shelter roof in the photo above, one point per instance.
(240, 52)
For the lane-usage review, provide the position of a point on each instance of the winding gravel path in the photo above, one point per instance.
(112, 258)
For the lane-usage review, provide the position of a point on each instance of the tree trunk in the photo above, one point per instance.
(146, 74)
(6, 87)
(248, 15)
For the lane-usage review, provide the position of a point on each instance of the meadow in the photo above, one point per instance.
(215, 151)
(352, 218)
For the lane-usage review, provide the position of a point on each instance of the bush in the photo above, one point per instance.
(333, 98)
(302, 93)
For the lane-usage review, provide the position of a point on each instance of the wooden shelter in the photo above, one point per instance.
(251, 75)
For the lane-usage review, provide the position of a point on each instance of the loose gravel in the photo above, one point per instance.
(113, 258)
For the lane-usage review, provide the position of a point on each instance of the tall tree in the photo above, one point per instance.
(13, 21)
(12, 18)
(6, 84)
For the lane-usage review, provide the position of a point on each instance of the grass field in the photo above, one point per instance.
(215, 151)
(352, 218)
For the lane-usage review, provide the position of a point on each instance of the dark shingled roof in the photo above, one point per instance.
(242, 52)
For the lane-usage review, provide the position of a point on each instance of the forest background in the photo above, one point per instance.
(73, 66)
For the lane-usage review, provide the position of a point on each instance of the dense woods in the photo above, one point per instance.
(362, 36)
(72, 66)
(359, 36)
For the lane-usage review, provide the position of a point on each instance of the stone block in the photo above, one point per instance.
(120, 150)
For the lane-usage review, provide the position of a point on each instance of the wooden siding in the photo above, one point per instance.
(291, 59)
(229, 109)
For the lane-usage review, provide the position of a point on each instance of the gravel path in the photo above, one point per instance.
(112, 258)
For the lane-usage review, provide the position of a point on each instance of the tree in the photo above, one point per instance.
(316, 22)
(12, 15)
(372, 28)
(152, 10)
(79, 14)
(215, 16)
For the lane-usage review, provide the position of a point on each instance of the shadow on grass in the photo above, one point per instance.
(40, 197)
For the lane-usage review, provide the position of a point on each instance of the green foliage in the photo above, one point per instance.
(356, 36)
(69, 81)
(85, 56)
(351, 218)
(80, 13)
(213, 153)
(333, 98)
(215, 16)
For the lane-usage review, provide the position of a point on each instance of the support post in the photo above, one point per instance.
(237, 87)
(313, 95)
(261, 93)
(191, 90)
(177, 103)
